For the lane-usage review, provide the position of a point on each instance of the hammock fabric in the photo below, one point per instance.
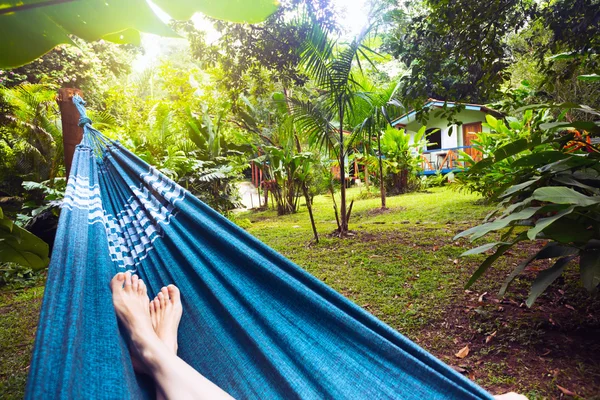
(254, 323)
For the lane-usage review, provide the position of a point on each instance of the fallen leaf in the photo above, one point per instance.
(482, 297)
(462, 353)
(500, 308)
(566, 391)
(490, 337)
(435, 248)
(546, 353)
(468, 291)
(570, 307)
(455, 261)
(458, 369)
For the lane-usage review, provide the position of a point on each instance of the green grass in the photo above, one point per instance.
(400, 264)
(19, 308)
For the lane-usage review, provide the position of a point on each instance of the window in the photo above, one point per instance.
(434, 138)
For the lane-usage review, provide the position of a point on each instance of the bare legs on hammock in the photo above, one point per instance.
(152, 326)
(155, 352)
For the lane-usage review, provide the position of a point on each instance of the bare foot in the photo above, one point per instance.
(165, 312)
(132, 308)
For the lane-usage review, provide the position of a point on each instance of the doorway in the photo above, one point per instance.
(470, 132)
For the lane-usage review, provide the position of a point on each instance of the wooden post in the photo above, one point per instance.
(72, 133)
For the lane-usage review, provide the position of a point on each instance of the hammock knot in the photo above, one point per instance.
(84, 120)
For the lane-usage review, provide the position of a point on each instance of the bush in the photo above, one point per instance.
(553, 197)
(401, 160)
(436, 180)
(492, 178)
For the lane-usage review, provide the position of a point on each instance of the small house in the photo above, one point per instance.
(444, 142)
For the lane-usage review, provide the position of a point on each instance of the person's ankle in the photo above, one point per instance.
(149, 348)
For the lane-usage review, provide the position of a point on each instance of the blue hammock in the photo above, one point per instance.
(254, 323)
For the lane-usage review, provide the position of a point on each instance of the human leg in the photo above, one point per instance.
(175, 379)
(165, 312)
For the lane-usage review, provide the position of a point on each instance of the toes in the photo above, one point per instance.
(117, 281)
(165, 292)
(128, 280)
(135, 283)
(156, 302)
(174, 294)
(153, 314)
(162, 298)
(142, 288)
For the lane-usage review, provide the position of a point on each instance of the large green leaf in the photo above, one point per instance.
(568, 180)
(482, 248)
(564, 195)
(487, 263)
(551, 250)
(520, 186)
(545, 279)
(28, 34)
(542, 223)
(22, 247)
(569, 231)
(539, 158)
(589, 264)
(583, 125)
(510, 149)
(230, 10)
(500, 223)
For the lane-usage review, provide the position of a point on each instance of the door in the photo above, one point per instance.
(470, 132)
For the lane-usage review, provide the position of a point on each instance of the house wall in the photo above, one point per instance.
(450, 138)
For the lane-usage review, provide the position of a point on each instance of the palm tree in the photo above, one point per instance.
(379, 105)
(332, 67)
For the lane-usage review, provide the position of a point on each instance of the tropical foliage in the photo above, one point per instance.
(401, 159)
(491, 177)
(31, 28)
(553, 196)
(18, 246)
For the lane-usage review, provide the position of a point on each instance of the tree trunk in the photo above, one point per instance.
(304, 188)
(344, 221)
(381, 184)
(310, 213)
(366, 168)
(72, 132)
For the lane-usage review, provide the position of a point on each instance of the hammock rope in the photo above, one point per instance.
(254, 323)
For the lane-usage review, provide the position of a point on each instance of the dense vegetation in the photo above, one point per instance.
(310, 105)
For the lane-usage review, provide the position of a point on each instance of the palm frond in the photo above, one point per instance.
(316, 53)
(315, 122)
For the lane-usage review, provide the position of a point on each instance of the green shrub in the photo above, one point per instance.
(491, 178)
(553, 197)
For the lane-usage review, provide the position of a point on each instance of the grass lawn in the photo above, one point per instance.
(403, 266)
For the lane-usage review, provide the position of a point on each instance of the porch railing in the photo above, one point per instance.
(442, 160)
